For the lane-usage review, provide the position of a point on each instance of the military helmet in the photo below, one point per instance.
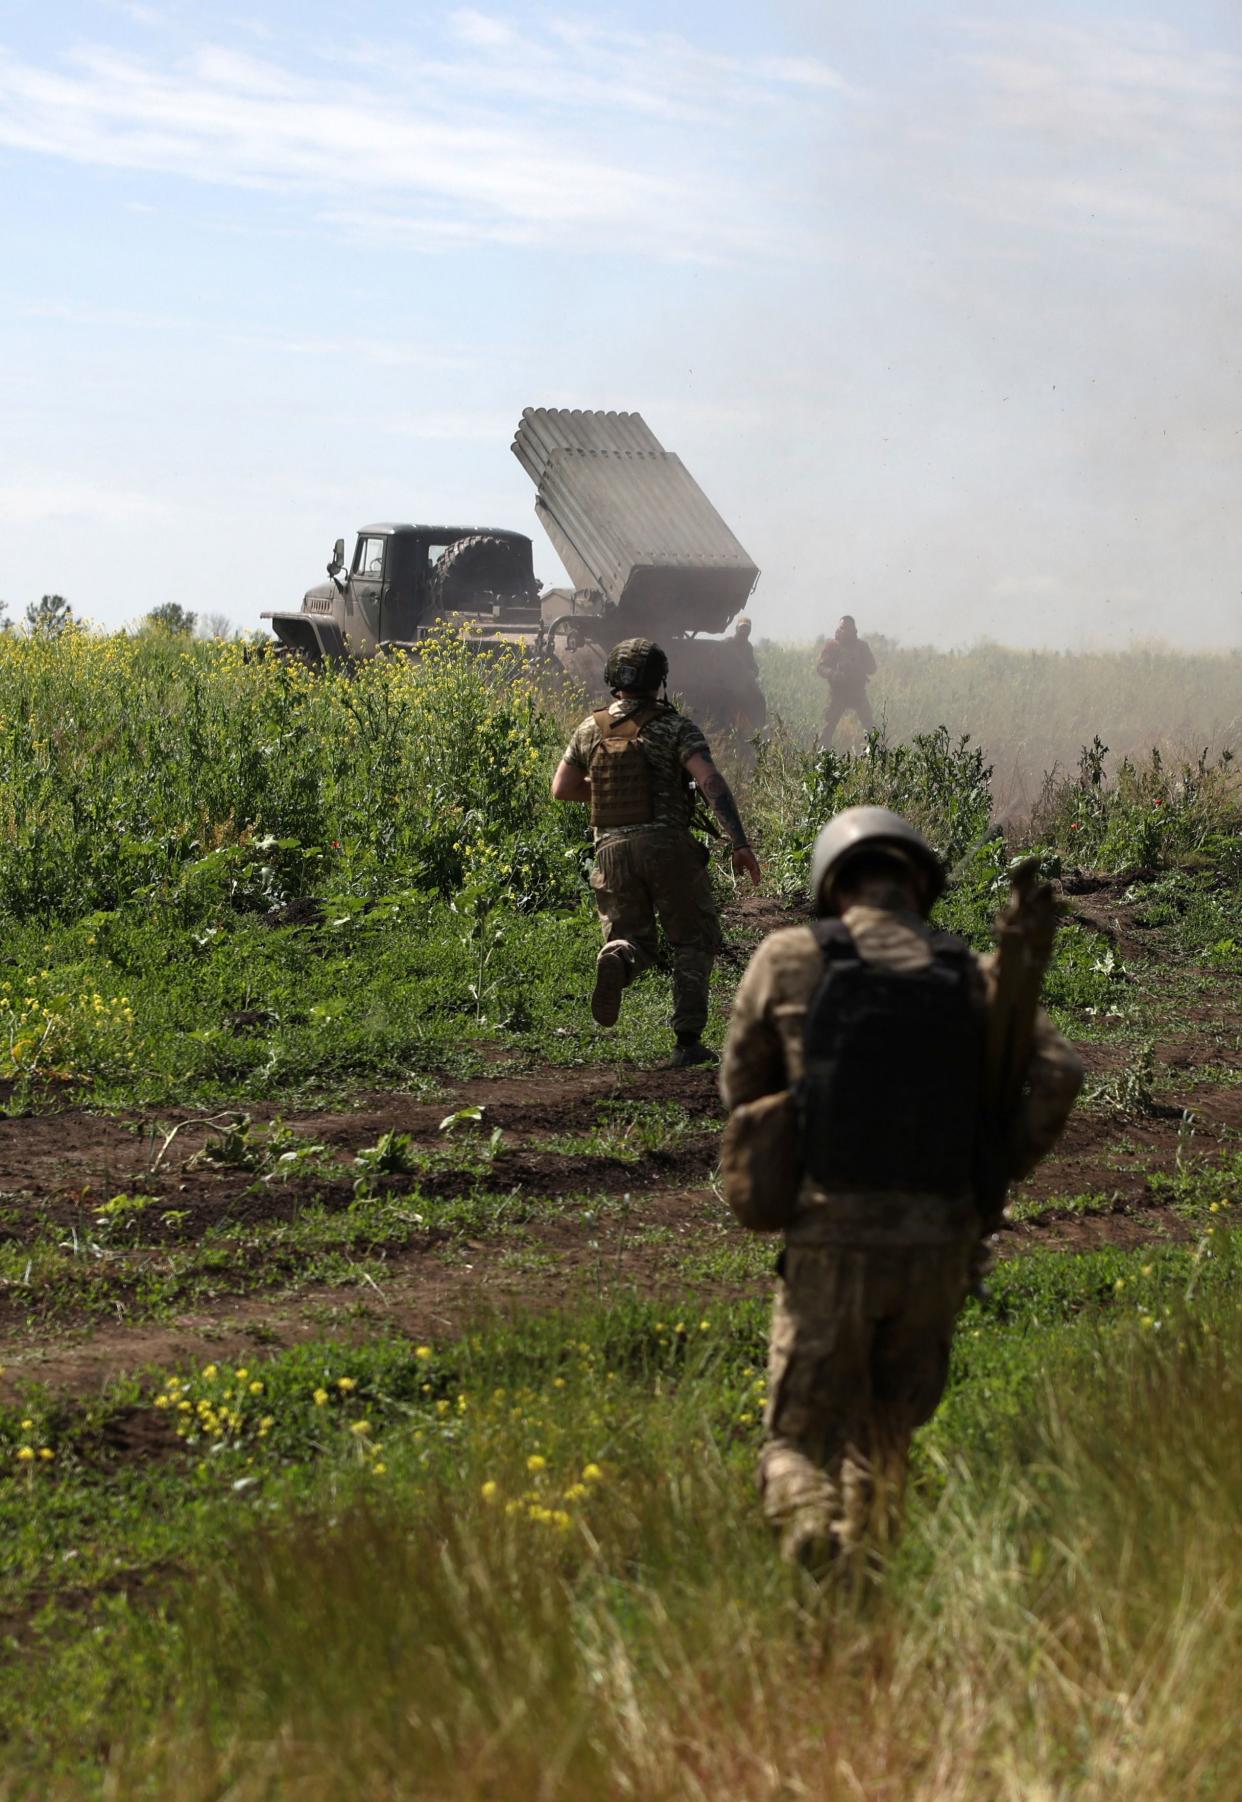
(637, 664)
(860, 829)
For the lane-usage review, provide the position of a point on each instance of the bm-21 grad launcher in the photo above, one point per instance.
(648, 554)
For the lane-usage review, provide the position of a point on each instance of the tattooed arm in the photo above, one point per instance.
(719, 796)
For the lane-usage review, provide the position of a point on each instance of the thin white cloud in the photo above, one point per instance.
(484, 143)
(1125, 128)
(48, 500)
(458, 425)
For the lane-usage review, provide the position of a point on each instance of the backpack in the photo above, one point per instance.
(619, 773)
(892, 1096)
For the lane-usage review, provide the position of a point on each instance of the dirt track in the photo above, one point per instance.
(55, 1170)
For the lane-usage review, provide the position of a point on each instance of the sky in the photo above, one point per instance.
(940, 306)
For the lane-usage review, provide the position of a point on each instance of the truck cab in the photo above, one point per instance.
(402, 579)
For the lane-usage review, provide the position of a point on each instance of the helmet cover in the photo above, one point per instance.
(636, 664)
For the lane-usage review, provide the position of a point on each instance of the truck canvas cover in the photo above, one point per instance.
(627, 517)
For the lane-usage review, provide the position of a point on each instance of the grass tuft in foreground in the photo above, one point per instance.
(551, 1577)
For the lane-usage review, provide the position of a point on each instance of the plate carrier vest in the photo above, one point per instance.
(619, 771)
(893, 1092)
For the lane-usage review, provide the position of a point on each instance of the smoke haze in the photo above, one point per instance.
(940, 310)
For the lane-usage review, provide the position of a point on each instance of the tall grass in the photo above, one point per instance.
(164, 803)
(1032, 711)
(139, 767)
(1065, 1618)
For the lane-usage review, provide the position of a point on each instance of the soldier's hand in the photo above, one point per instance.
(745, 863)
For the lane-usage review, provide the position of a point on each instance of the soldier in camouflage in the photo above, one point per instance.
(633, 763)
(871, 1280)
(847, 664)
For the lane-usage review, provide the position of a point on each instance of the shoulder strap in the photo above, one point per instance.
(834, 939)
(629, 727)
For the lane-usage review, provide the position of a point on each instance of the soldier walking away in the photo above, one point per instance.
(633, 763)
(879, 1029)
(846, 664)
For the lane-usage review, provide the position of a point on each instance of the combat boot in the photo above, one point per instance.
(612, 972)
(691, 1050)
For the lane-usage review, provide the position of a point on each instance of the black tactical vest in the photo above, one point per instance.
(892, 1096)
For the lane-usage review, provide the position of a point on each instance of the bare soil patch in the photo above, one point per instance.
(56, 1169)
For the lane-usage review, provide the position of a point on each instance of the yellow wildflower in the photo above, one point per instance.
(536, 1462)
(321, 1396)
(592, 1474)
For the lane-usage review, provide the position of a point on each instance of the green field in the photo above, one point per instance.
(382, 1372)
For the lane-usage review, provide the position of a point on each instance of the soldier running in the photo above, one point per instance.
(633, 763)
(846, 664)
(882, 1021)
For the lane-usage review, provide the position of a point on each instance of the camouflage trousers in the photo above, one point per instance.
(645, 878)
(840, 702)
(858, 1359)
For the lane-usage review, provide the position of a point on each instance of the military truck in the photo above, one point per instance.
(645, 549)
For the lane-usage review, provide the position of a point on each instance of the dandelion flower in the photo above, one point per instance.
(490, 1490)
(423, 1352)
(46, 1453)
(536, 1462)
(25, 1453)
(592, 1474)
(256, 1388)
(361, 1427)
(321, 1396)
(347, 1384)
(26, 1425)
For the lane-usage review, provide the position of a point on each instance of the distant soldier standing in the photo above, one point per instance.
(633, 763)
(877, 1026)
(846, 664)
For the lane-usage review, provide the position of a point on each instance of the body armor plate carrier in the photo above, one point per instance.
(892, 1097)
(619, 771)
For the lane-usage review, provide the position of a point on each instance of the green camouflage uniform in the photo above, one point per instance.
(871, 1283)
(657, 871)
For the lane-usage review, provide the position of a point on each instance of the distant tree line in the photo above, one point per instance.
(51, 614)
